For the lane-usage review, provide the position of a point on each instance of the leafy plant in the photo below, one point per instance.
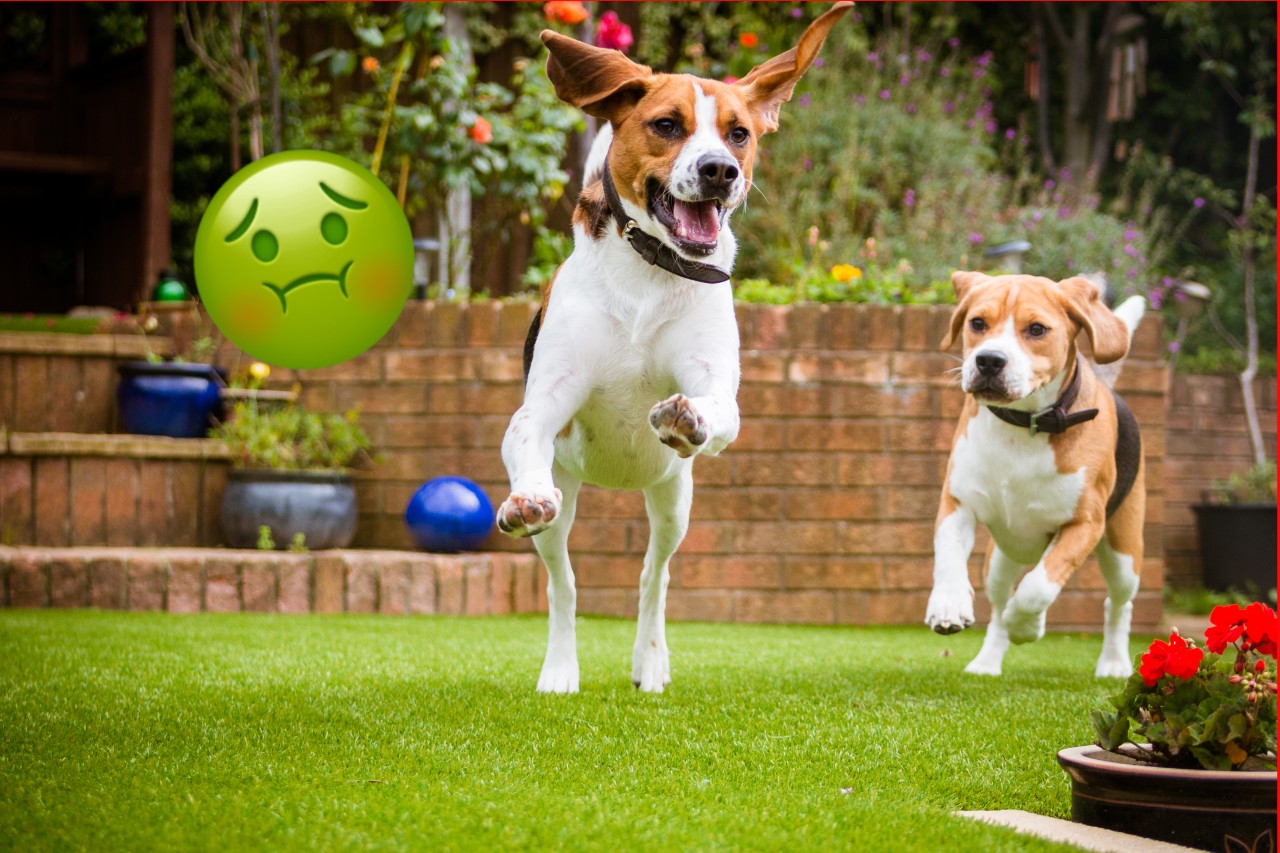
(1256, 485)
(1199, 601)
(298, 544)
(266, 542)
(292, 439)
(1203, 709)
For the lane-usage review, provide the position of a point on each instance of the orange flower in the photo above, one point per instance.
(748, 40)
(369, 64)
(481, 131)
(565, 11)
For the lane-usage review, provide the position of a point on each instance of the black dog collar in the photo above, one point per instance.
(651, 248)
(1052, 419)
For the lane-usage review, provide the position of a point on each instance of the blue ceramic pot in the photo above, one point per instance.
(321, 505)
(179, 400)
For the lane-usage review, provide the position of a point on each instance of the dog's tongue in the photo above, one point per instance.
(696, 220)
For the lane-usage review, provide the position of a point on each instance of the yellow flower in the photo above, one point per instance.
(259, 371)
(846, 272)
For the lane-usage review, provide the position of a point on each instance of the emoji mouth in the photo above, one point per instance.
(312, 278)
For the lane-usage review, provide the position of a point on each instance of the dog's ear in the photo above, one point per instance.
(1108, 335)
(769, 85)
(600, 82)
(963, 282)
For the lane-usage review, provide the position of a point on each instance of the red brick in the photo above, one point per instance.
(449, 586)
(148, 576)
(362, 583)
(499, 366)
(834, 435)
(422, 586)
(222, 583)
(213, 481)
(898, 469)
(884, 326)
(540, 589)
(399, 398)
(186, 582)
(763, 366)
(96, 400)
(752, 504)
(107, 582)
(122, 501)
(446, 326)
(68, 581)
(802, 608)
(886, 538)
(29, 579)
(394, 587)
(184, 525)
(478, 575)
(908, 503)
(908, 573)
(258, 581)
(810, 328)
(523, 593)
(730, 572)
(331, 578)
(789, 469)
(366, 367)
(53, 501)
(705, 605)
(923, 368)
(411, 328)
(430, 366)
(601, 571)
(482, 323)
(831, 573)
(31, 393)
(16, 493)
(607, 602)
(514, 320)
(153, 502)
(294, 572)
(88, 501)
(849, 327)
(767, 328)
(831, 504)
(503, 577)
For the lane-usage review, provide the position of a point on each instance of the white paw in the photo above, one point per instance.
(559, 675)
(950, 608)
(651, 668)
(528, 513)
(1113, 666)
(1023, 626)
(678, 425)
(983, 665)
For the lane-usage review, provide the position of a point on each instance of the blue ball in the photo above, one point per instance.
(449, 514)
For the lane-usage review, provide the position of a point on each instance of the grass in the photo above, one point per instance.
(148, 731)
(49, 323)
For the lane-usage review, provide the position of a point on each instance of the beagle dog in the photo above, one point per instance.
(1046, 455)
(631, 366)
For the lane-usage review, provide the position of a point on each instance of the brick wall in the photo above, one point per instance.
(1207, 442)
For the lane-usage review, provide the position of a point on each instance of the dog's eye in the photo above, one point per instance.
(666, 127)
(978, 324)
(739, 136)
(1037, 330)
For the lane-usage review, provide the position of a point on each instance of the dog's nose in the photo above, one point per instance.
(717, 172)
(990, 363)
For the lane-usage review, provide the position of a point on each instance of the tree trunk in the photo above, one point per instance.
(1250, 308)
(455, 222)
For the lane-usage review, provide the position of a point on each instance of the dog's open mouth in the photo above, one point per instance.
(694, 226)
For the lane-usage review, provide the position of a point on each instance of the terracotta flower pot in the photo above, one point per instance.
(1194, 808)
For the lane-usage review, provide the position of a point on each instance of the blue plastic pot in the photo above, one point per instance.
(179, 400)
(448, 515)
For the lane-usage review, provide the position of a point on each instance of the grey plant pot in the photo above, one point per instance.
(319, 504)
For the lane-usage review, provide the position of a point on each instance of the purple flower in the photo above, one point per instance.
(874, 58)
(808, 164)
(923, 55)
(1050, 184)
(1156, 298)
(1130, 250)
(884, 94)
(990, 126)
(974, 238)
(797, 12)
(1130, 234)
(1174, 346)
(979, 73)
(911, 108)
(803, 100)
(1010, 133)
(1065, 175)
(953, 42)
(970, 124)
(948, 107)
(1180, 296)
(1036, 216)
(860, 100)
(944, 72)
(1131, 274)
(1199, 202)
(1064, 212)
(819, 62)
(984, 59)
(909, 198)
(904, 81)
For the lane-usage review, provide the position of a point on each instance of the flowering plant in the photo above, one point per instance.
(1205, 706)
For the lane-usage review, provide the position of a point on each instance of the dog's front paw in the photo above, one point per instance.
(651, 668)
(950, 609)
(678, 425)
(559, 676)
(1113, 665)
(528, 513)
(1023, 625)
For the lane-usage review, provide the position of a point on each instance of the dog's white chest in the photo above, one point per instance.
(1009, 480)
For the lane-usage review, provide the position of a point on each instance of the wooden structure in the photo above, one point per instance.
(85, 150)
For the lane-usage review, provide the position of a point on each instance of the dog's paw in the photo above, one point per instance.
(1113, 666)
(528, 514)
(950, 609)
(651, 668)
(559, 674)
(1023, 626)
(984, 664)
(678, 425)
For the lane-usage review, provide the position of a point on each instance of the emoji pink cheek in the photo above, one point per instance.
(379, 284)
(254, 317)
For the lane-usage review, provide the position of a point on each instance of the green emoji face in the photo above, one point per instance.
(304, 259)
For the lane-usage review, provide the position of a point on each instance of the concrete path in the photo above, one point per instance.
(1085, 837)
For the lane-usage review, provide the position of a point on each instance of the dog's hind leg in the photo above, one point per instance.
(667, 505)
(1001, 574)
(560, 668)
(1120, 558)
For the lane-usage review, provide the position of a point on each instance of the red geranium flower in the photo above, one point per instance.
(612, 34)
(481, 131)
(1174, 658)
(1260, 628)
(565, 11)
(748, 40)
(1226, 626)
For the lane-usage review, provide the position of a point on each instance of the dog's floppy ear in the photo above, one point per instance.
(600, 82)
(769, 85)
(1108, 335)
(963, 282)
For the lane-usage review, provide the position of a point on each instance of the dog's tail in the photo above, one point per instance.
(1130, 313)
(594, 168)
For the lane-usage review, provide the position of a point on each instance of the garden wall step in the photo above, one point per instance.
(192, 580)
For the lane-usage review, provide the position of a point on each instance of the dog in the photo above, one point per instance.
(631, 365)
(1046, 455)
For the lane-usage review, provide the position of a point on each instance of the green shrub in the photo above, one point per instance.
(292, 439)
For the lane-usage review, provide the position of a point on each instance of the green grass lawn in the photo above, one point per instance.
(146, 731)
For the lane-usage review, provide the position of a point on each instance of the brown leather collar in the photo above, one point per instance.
(651, 248)
(1054, 419)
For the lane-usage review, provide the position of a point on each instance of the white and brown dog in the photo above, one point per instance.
(1045, 455)
(632, 364)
